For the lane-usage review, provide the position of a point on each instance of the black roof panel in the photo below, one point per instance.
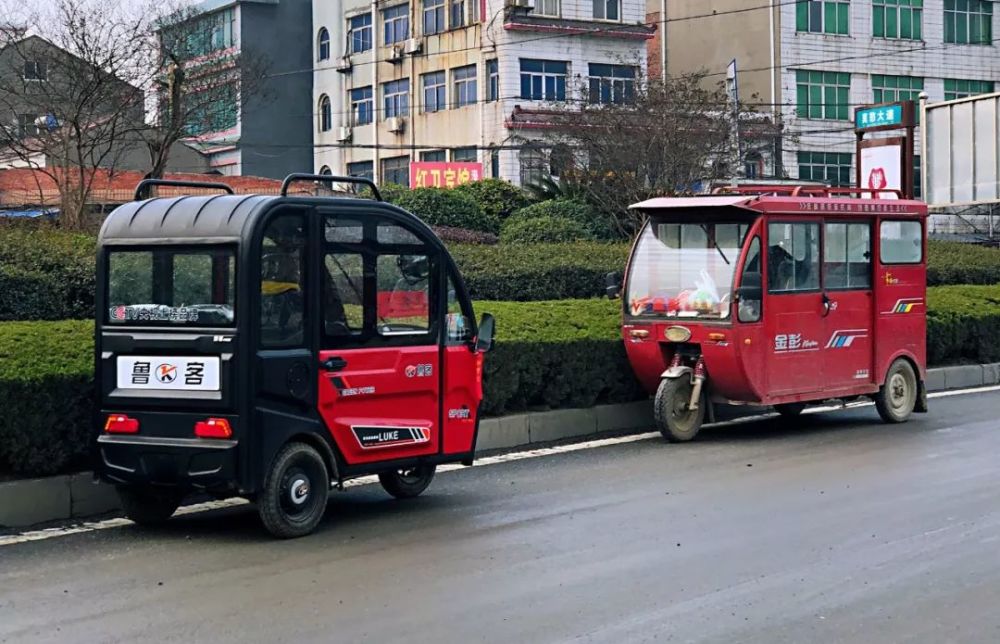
(184, 219)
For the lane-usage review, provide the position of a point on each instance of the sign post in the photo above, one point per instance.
(881, 161)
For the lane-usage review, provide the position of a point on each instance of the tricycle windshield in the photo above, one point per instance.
(169, 286)
(684, 269)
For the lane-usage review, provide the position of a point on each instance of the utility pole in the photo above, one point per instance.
(733, 92)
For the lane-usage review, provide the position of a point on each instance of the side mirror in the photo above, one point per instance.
(613, 285)
(484, 341)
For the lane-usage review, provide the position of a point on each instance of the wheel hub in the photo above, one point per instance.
(897, 390)
(298, 491)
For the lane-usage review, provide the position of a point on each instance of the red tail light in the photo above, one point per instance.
(121, 424)
(213, 428)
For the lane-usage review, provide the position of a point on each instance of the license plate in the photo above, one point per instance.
(168, 373)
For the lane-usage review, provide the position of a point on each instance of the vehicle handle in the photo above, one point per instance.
(334, 363)
(826, 305)
(143, 185)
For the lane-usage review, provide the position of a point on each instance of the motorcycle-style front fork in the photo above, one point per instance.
(697, 378)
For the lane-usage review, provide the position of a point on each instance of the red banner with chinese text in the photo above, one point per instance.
(427, 174)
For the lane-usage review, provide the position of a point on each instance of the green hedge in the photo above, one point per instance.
(441, 207)
(963, 324)
(585, 215)
(953, 263)
(546, 229)
(497, 198)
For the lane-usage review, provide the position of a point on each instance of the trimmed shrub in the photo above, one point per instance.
(451, 235)
(497, 198)
(543, 230)
(963, 324)
(440, 207)
(588, 217)
(956, 263)
(45, 273)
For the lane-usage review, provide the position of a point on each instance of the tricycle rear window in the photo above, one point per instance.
(172, 287)
(685, 269)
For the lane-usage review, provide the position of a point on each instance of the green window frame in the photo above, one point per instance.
(898, 19)
(823, 16)
(955, 88)
(889, 89)
(823, 95)
(968, 22)
(829, 167)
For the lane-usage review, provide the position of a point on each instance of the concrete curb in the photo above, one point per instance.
(74, 496)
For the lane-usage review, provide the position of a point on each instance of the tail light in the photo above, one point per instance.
(213, 428)
(121, 424)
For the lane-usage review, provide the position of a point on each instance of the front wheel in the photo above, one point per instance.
(148, 506)
(295, 492)
(407, 483)
(898, 396)
(672, 410)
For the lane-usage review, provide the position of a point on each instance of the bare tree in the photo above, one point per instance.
(66, 102)
(652, 139)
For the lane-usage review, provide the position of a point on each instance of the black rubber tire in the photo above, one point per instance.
(897, 398)
(296, 490)
(149, 506)
(790, 410)
(407, 484)
(676, 421)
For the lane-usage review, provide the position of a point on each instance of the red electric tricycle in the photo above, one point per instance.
(782, 297)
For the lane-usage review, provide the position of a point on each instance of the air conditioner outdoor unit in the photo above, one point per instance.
(343, 133)
(344, 65)
(413, 46)
(521, 4)
(395, 54)
(396, 124)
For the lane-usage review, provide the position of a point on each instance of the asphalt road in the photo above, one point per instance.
(834, 528)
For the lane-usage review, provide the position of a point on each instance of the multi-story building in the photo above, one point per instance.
(811, 62)
(257, 126)
(463, 80)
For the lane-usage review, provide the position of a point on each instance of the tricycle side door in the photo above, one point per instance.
(847, 283)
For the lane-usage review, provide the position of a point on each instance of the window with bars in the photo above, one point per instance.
(543, 80)
(27, 125)
(823, 95)
(902, 19)
(955, 88)
(464, 79)
(361, 33)
(546, 8)
(611, 83)
(434, 18)
(493, 80)
(823, 16)
(968, 22)
(396, 170)
(396, 98)
(464, 155)
(434, 92)
(362, 107)
(396, 24)
(889, 89)
(833, 168)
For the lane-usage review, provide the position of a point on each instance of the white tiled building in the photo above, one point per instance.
(463, 80)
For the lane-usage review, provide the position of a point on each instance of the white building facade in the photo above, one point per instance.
(464, 80)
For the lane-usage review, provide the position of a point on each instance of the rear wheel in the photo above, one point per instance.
(898, 396)
(672, 410)
(149, 506)
(408, 483)
(790, 410)
(295, 492)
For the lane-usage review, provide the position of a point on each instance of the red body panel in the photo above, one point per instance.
(463, 391)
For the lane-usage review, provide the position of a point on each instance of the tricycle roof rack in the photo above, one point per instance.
(808, 191)
(143, 186)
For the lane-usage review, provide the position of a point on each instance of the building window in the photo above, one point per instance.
(434, 92)
(396, 24)
(27, 125)
(543, 80)
(36, 70)
(889, 89)
(464, 155)
(433, 17)
(434, 156)
(954, 88)
(968, 22)
(396, 98)
(326, 171)
(361, 33)
(361, 105)
(363, 169)
(457, 13)
(823, 95)
(495, 163)
(607, 10)
(464, 79)
(547, 8)
(612, 83)
(493, 80)
(897, 19)
(325, 114)
(396, 170)
(323, 44)
(822, 16)
(215, 110)
(534, 165)
(833, 168)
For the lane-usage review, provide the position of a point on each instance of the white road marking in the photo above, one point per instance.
(91, 526)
